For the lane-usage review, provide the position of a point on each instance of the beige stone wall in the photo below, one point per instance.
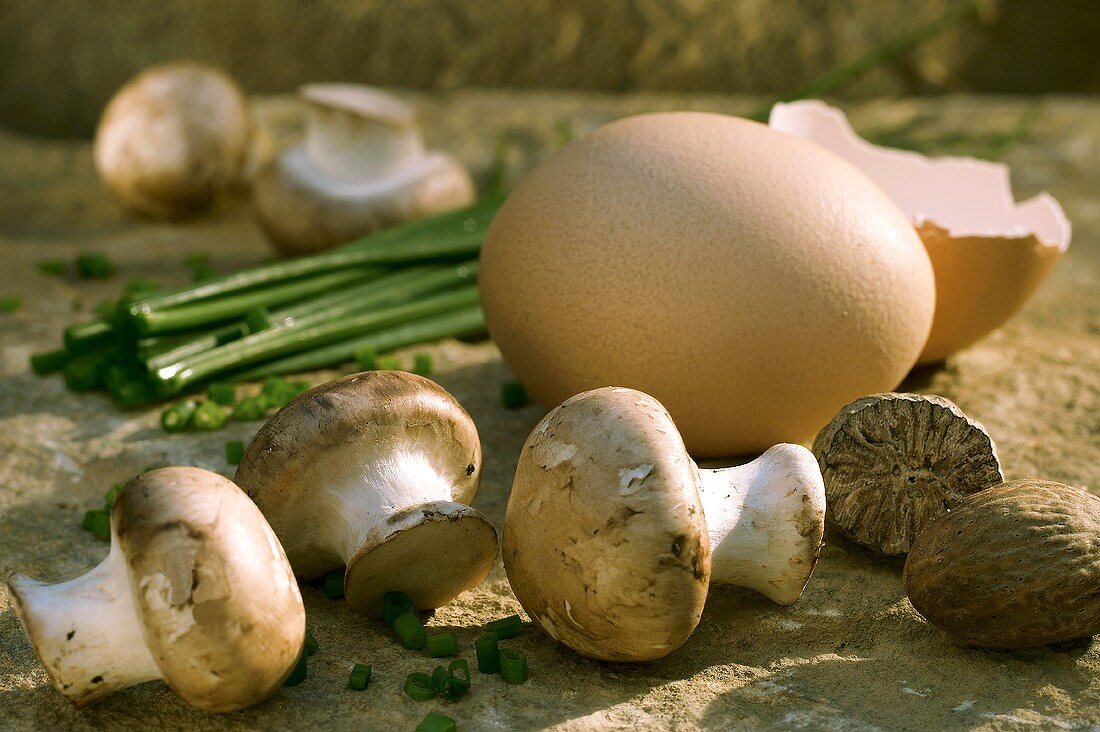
(60, 60)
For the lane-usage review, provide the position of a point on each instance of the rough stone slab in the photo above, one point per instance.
(852, 654)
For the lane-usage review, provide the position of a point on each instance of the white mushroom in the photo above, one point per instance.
(374, 471)
(195, 591)
(361, 167)
(613, 534)
(172, 138)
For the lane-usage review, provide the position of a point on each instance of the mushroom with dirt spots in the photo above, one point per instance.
(613, 534)
(374, 471)
(195, 591)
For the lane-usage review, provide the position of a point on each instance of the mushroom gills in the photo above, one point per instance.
(86, 631)
(766, 521)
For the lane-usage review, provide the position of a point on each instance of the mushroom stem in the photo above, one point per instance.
(765, 521)
(86, 630)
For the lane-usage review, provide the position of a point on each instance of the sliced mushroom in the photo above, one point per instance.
(195, 591)
(173, 138)
(361, 167)
(893, 462)
(606, 539)
(374, 471)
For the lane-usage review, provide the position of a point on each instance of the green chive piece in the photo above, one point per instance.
(488, 655)
(203, 273)
(513, 395)
(209, 416)
(222, 392)
(443, 645)
(139, 286)
(462, 665)
(111, 496)
(360, 676)
(178, 416)
(394, 605)
(505, 628)
(454, 687)
(422, 364)
(257, 320)
(366, 358)
(277, 392)
(52, 267)
(85, 372)
(334, 585)
(250, 409)
(10, 303)
(89, 520)
(101, 525)
(298, 675)
(513, 665)
(387, 363)
(410, 631)
(436, 723)
(311, 644)
(234, 451)
(48, 362)
(439, 677)
(419, 686)
(94, 265)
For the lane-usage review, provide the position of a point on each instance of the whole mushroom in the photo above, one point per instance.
(613, 534)
(172, 138)
(361, 167)
(374, 471)
(195, 591)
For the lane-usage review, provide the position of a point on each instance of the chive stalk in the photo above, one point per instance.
(410, 631)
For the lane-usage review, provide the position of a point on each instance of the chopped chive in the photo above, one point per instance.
(418, 685)
(203, 273)
(360, 677)
(101, 525)
(89, 519)
(387, 363)
(442, 645)
(439, 678)
(505, 628)
(460, 664)
(257, 320)
(298, 675)
(422, 364)
(454, 687)
(410, 631)
(513, 395)
(366, 358)
(52, 267)
(209, 416)
(435, 722)
(277, 392)
(111, 496)
(85, 372)
(234, 451)
(394, 605)
(47, 362)
(250, 409)
(222, 392)
(139, 286)
(311, 644)
(198, 259)
(178, 416)
(94, 265)
(10, 303)
(334, 585)
(513, 665)
(488, 655)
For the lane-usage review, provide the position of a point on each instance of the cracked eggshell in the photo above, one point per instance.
(752, 282)
(219, 604)
(989, 253)
(613, 560)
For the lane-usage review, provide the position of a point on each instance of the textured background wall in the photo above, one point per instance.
(60, 60)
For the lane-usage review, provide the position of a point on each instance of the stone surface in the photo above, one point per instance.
(58, 68)
(851, 654)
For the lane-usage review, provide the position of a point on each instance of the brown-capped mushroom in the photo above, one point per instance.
(195, 591)
(893, 462)
(361, 167)
(172, 138)
(612, 533)
(374, 471)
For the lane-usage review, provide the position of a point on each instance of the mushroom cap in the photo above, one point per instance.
(172, 138)
(360, 418)
(302, 211)
(221, 610)
(605, 540)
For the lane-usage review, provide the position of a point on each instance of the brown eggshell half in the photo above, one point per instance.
(989, 253)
